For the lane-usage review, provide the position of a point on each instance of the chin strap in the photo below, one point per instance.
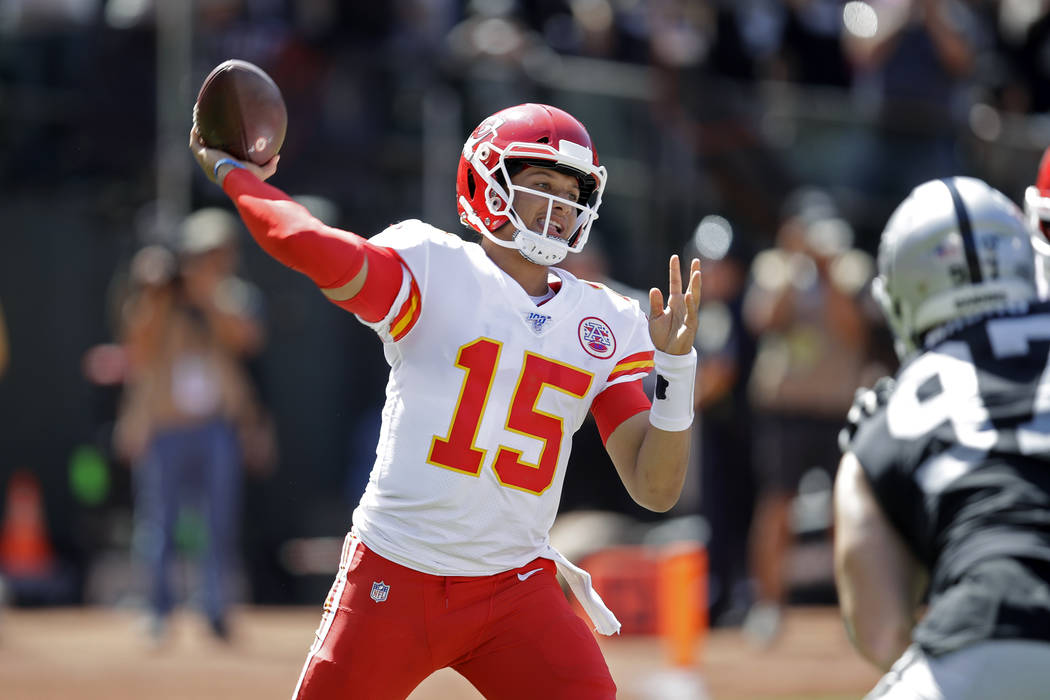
(532, 250)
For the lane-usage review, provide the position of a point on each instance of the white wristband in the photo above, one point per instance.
(672, 408)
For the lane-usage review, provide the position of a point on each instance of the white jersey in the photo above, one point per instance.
(485, 392)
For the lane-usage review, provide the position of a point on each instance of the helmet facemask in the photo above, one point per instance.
(495, 167)
(540, 248)
(546, 246)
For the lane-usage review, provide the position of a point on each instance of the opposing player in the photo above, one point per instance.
(495, 360)
(1037, 209)
(942, 501)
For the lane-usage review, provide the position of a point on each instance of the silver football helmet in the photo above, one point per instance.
(954, 248)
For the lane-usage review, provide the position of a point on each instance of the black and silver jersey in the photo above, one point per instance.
(959, 457)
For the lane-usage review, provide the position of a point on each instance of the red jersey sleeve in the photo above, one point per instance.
(617, 403)
(329, 256)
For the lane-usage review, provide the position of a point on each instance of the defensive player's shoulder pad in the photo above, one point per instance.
(867, 404)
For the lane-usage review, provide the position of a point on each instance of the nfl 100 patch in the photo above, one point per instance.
(536, 320)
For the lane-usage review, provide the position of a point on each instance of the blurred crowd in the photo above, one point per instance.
(920, 65)
(783, 217)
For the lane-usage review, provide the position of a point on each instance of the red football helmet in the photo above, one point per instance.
(1037, 209)
(1037, 199)
(539, 135)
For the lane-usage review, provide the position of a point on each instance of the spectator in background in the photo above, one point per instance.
(186, 403)
(812, 345)
(209, 259)
(812, 43)
(727, 349)
(1016, 74)
(913, 61)
(1007, 76)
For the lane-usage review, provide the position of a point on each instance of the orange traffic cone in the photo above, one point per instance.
(24, 547)
(682, 614)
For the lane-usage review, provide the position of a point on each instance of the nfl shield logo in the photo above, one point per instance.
(380, 591)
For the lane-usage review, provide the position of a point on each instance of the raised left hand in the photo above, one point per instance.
(673, 328)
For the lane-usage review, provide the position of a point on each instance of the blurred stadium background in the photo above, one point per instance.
(697, 107)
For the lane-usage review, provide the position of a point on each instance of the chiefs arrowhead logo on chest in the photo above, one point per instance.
(597, 338)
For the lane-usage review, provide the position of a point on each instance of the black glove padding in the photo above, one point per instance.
(865, 403)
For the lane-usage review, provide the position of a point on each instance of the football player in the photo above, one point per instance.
(1037, 209)
(942, 499)
(495, 359)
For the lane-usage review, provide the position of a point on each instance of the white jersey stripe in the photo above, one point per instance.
(331, 606)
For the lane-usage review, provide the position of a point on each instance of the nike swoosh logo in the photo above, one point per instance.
(522, 577)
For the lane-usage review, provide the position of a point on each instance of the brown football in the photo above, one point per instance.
(240, 110)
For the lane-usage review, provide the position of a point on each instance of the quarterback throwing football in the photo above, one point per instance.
(495, 360)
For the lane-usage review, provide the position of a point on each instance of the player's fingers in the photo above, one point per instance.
(674, 284)
(694, 285)
(692, 307)
(656, 303)
(269, 168)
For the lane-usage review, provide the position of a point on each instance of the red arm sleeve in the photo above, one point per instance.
(329, 256)
(616, 404)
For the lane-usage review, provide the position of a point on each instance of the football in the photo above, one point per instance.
(240, 110)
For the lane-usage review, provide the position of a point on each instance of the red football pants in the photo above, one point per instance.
(513, 635)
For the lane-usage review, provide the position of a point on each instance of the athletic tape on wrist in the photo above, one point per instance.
(226, 161)
(672, 408)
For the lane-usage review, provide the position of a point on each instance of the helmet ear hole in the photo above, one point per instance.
(471, 185)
